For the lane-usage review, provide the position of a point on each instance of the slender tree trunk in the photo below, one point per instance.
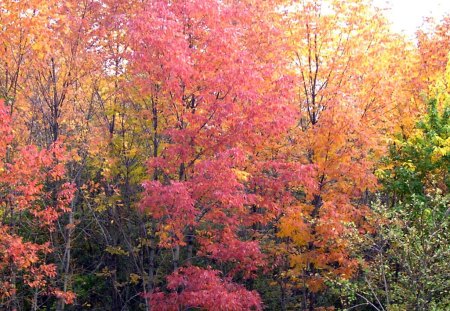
(67, 256)
(176, 257)
(190, 245)
(13, 279)
(283, 297)
(153, 244)
(34, 305)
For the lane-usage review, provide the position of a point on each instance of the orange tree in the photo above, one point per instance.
(349, 88)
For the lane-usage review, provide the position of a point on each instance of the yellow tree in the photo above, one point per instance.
(433, 41)
(23, 26)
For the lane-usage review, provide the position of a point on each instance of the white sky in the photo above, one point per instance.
(407, 15)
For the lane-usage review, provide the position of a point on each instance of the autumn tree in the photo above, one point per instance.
(433, 42)
(345, 63)
(23, 27)
(212, 101)
(26, 208)
(208, 154)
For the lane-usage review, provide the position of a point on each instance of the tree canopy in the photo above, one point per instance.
(222, 155)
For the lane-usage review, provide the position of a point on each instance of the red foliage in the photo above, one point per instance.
(24, 174)
(211, 72)
(194, 287)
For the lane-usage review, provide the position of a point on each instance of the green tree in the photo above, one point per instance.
(409, 268)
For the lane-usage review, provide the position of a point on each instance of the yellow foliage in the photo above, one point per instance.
(241, 175)
(134, 278)
(116, 250)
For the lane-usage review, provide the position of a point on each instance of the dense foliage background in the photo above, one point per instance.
(222, 155)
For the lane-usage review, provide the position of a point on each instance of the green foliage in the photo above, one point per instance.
(421, 162)
(408, 256)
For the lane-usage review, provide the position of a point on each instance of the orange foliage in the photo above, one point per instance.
(349, 71)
